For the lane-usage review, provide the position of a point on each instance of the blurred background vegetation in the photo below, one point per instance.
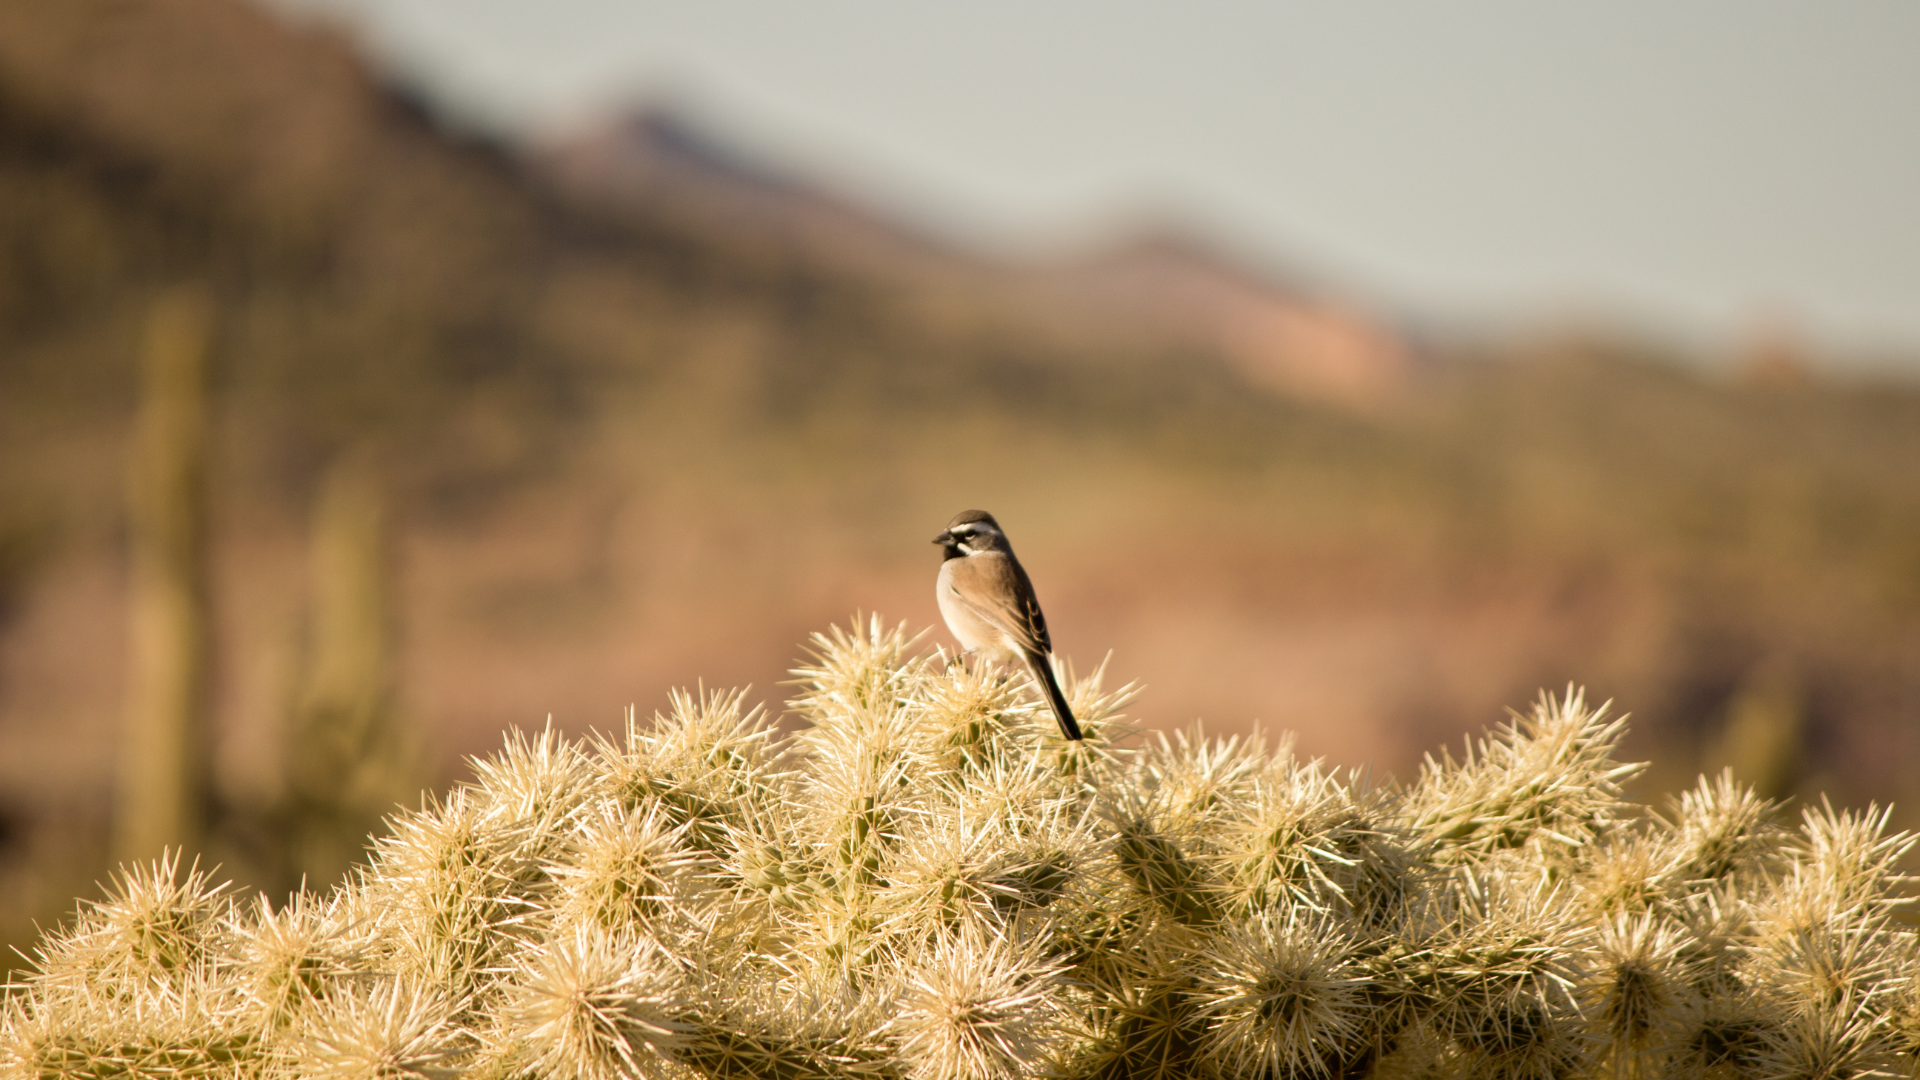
(493, 434)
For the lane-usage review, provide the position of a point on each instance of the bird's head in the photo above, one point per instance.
(970, 533)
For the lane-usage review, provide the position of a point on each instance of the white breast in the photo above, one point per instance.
(976, 635)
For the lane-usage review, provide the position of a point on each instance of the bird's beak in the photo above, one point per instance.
(943, 538)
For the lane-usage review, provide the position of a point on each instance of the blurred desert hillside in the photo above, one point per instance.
(648, 413)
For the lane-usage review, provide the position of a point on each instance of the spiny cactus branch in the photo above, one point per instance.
(924, 882)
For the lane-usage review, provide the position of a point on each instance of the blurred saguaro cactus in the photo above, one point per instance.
(1763, 741)
(926, 883)
(163, 794)
(348, 756)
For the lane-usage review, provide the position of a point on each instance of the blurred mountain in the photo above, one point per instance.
(1291, 340)
(649, 412)
(659, 161)
(1164, 286)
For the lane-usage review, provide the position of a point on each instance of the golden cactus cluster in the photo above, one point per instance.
(923, 882)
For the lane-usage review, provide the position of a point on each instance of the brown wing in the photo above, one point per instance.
(995, 588)
(1036, 622)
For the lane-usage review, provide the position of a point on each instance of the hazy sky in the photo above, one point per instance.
(1689, 165)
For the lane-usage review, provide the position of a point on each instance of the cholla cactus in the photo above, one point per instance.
(925, 883)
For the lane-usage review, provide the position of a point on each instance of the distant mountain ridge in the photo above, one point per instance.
(1164, 284)
(659, 158)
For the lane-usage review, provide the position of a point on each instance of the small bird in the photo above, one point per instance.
(989, 605)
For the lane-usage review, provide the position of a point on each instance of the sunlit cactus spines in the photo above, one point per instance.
(913, 877)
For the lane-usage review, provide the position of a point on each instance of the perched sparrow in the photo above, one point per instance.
(989, 604)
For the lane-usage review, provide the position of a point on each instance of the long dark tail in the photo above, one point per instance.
(1043, 674)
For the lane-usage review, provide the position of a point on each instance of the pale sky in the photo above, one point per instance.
(1689, 166)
